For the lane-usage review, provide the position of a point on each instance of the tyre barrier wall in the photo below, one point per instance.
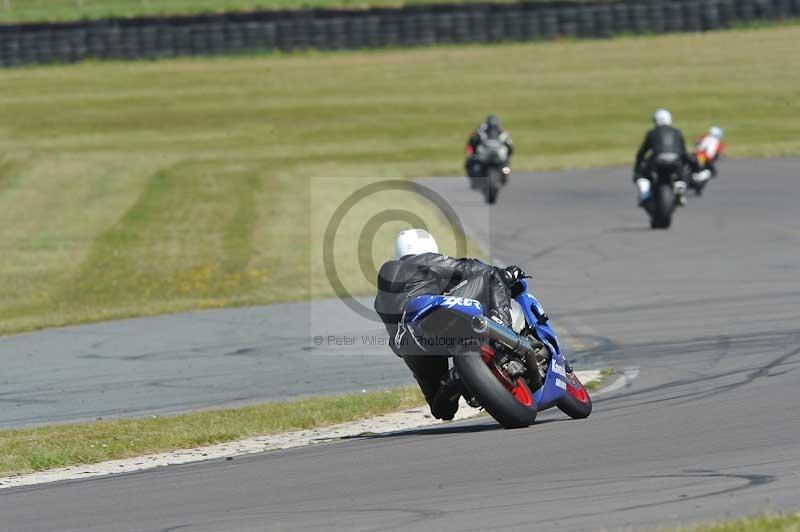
(150, 38)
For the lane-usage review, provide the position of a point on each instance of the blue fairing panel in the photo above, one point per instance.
(420, 306)
(555, 382)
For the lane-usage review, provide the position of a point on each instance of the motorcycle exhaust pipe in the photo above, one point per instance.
(504, 335)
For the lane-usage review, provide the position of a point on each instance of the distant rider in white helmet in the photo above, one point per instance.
(662, 146)
(420, 269)
(708, 150)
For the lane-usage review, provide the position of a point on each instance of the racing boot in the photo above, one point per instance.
(680, 193)
(534, 372)
(643, 187)
(699, 181)
(444, 404)
(701, 176)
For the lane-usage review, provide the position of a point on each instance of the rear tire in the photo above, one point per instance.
(576, 403)
(482, 383)
(664, 203)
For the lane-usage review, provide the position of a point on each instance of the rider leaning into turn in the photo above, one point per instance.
(662, 144)
(420, 269)
(710, 146)
(490, 129)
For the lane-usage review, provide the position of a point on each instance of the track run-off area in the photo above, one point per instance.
(707, 313)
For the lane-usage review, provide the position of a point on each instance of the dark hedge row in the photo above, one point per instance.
(374, 28)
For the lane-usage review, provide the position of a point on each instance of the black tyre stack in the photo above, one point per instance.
(148, 38)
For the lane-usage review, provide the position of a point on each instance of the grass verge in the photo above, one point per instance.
(48, 447)
(764, 523)
(142, 188)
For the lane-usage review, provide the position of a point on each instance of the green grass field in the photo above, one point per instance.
(142, 188)
(66, 10)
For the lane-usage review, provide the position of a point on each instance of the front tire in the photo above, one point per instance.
(492, 395)
(492, 186)
(576, 403)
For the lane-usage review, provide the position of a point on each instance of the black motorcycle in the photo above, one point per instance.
(492, 173)
(665, 176)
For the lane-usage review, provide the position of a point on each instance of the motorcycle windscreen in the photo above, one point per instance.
(447, 332)
(492, 151)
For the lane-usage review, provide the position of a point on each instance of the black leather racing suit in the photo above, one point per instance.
(400, 281)
(662, 145)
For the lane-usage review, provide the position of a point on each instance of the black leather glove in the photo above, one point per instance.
(501, 316)
(512, 275)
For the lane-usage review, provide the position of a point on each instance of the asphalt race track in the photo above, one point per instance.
(169, 364)
(708, 313)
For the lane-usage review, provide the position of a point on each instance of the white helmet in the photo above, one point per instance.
(662, 117)
(716, 132)
(415, 242)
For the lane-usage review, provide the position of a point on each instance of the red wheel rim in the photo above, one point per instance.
(522, 393)
(576, 389)
(519, 389)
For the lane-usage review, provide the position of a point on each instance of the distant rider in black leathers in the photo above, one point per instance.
(663, 145)
(490, 129)
(419, 269)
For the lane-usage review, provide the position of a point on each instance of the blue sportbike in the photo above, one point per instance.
(512, 372)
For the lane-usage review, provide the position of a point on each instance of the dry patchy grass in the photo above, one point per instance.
(763, 523)
(141, 188)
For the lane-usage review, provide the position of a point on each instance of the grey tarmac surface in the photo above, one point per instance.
(207, 359)
(708, 312)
